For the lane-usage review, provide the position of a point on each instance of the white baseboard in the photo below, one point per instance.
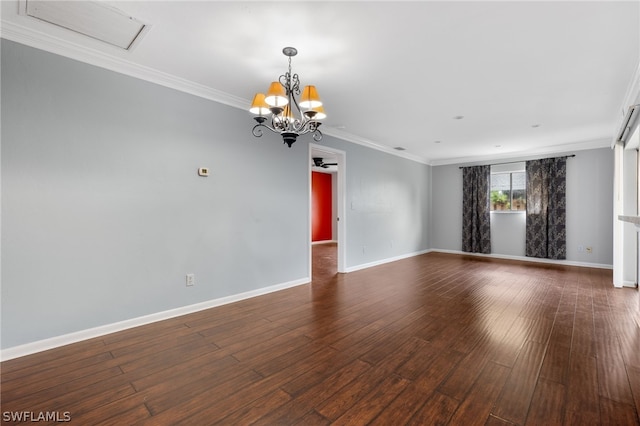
(383, 261)
(528, 259)
(66, 339)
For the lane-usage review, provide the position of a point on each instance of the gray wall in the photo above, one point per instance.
(589, 212)
(446, 208)
(103, 213)
(387, 204)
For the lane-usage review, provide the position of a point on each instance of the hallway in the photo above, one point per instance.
(324, 261)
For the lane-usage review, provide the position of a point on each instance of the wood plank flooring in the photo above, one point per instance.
(434, 339)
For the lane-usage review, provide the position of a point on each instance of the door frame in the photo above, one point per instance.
(341, 201)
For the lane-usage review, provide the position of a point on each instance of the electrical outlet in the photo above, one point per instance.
(191, 280)
(589, 250)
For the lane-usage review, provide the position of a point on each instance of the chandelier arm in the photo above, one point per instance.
(317, 135)
(295, 102)
(311, 126)
(257, 131)
(307, 126)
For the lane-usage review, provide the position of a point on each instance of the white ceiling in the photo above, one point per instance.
(392, 73)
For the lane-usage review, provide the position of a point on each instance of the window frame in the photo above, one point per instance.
(511, 190)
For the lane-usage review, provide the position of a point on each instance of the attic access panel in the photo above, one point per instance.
(92, 19)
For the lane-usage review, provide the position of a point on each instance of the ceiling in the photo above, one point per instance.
(526, 77)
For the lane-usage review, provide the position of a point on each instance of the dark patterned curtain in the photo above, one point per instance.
(476, 210)
(546, 233)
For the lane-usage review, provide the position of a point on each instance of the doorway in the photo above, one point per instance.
(334, 161)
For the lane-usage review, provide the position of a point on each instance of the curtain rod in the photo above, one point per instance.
(513, 162)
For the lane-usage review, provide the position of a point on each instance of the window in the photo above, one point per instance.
(508, 191)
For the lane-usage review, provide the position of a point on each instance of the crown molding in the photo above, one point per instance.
(346, 136)
(27, 36)
(522, 155)
(632, 95)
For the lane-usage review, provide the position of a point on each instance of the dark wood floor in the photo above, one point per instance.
(435, 339)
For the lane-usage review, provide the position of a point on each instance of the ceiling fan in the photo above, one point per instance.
(317, 162)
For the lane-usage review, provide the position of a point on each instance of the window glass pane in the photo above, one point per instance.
(519, 200)
(508, 191)
(500, 182)
(518, 182)
(500, 191)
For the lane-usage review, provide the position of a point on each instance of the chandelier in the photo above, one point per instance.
(279, 111)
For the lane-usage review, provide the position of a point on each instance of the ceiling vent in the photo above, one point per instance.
(95, 20)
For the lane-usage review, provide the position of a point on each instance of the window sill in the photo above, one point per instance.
(508, 211)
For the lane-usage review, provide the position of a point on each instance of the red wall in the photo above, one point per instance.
(321, 199)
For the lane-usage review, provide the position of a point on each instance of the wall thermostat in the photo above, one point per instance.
(203, 171)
